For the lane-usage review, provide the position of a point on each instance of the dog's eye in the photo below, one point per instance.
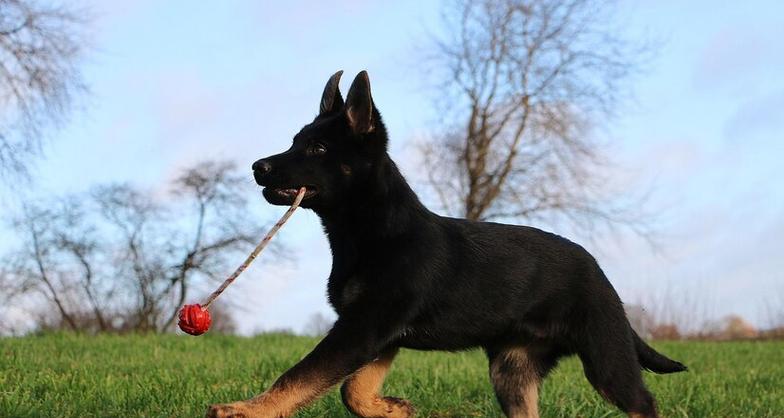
(318, 149)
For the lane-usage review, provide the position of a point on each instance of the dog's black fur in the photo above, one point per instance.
(403, 276)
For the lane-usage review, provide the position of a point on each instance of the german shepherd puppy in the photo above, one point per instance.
(403, 276)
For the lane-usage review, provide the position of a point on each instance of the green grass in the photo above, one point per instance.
(177, 376)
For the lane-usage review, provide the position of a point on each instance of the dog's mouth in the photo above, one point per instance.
(290, 193)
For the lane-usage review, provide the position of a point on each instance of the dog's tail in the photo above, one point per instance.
(653, 361)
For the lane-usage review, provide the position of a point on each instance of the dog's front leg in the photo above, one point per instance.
(347, 347)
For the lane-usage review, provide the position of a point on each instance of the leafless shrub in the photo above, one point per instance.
(675, 314)
(731, 327)
(689, 314)
(666, 332)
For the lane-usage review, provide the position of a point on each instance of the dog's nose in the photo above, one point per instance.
(261, 167)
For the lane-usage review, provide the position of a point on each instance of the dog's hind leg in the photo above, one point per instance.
(516, 373)
(360, 391)
(611, 365)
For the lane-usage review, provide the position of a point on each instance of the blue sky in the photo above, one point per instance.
(178, 82)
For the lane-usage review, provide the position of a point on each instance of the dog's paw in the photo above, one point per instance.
(398, 408)
(232, 410)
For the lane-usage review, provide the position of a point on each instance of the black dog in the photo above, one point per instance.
(403, 276)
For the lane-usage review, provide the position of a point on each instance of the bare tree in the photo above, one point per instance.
(122, 259)
(523, 83)
(57, 261)
(132, 220)
(164, 250)
(40, 48)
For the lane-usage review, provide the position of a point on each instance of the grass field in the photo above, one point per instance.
(176, 376)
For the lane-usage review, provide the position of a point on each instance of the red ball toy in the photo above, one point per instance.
(194, 320)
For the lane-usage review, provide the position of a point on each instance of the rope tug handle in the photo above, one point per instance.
(256, 251)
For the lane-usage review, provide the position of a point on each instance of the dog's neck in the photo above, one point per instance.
(386, 208)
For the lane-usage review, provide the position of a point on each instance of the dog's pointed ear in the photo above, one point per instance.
(359, 105)
(331, 99)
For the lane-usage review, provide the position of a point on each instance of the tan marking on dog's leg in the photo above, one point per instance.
(361, 395)
(531, 400)
(286, 398)
(280, 401)
(516, 381)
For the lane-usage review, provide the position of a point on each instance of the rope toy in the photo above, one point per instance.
(195, 319)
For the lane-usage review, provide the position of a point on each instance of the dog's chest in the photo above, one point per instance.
(343, 291)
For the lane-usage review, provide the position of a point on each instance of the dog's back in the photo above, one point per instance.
(491, 282)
